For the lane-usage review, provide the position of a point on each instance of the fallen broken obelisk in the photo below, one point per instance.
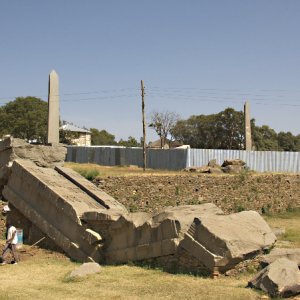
(89, 225)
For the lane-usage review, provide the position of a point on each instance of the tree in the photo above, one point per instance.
(265, 138)
(25, 118)
(216, 131)
(131, 142)
(68, 137)
(287, 141)
(102, 137)
(163, 123)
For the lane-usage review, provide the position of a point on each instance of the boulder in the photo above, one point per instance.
(233, 169)
(223, 241)
(233, 162)
(213, 164)
(291, 254)
(86, 269)
(280, 279)
(215, 170)
(42, 155)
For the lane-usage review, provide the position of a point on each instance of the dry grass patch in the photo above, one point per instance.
(47, 278)
(290, 222)
(105, 171)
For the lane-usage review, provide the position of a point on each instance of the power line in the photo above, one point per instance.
(184, 94)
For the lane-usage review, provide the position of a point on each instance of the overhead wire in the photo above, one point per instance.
(188, 94)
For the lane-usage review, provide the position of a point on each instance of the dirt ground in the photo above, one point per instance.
(265, 193)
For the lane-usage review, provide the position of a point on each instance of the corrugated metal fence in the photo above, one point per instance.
(176, 159)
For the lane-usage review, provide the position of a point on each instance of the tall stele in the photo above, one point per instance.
(53, 109)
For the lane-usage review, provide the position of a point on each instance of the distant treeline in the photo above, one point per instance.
(225, 130)
(26, 118)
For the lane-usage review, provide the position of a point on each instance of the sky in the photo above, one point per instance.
(195, 57)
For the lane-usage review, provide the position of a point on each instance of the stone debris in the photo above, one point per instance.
(86, 269)
(289, 253)
(42, 155)
(225, 240)
(279, 231)
(280, 279)
(234, 166)
(91, 226)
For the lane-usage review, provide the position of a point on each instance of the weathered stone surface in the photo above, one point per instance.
(233, 169)
(89, 225)
(215, 170)
(42, 155)
(140, 236)
(86, 269)
(291, 254)
(12, 149)
(53, 109)
(54, 205)
(279, 231)
(225, 240)
(233, 162)
(280, 278)
(213, 164)
(100, 196)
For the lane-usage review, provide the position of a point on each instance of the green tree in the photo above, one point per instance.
(67, 137)
(131, 142)
(25, 118)
(287, 141)
(216, 131)
(265, 138)
(102, 137)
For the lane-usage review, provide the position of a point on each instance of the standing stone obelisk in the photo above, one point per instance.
(248, 138)
(53, 109)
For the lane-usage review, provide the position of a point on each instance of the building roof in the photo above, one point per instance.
(74, 128)
(171, 144)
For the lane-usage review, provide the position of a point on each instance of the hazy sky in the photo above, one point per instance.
(195, 57)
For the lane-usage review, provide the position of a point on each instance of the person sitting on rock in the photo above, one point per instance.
(10, 245)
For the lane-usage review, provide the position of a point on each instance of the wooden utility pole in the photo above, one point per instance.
(144, 127)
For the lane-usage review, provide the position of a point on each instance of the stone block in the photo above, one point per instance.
(280, 279)
(86, 269)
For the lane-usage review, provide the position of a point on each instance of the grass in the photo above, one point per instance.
(105, 171)
(47, 278)
(88, 173)
(290, 221)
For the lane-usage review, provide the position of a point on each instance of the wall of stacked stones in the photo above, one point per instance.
(233, 193)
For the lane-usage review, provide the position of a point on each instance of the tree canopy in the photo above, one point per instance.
(25, 118)
(225, 130)
(102, 137)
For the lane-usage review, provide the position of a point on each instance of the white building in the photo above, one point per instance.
(83, 136)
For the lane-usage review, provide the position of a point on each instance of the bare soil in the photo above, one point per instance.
(265, 193)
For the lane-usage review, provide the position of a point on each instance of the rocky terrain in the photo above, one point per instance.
(232, 193)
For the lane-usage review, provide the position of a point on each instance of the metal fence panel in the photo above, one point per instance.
(176, 159)
(260, 161)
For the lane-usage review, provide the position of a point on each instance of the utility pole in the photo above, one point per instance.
(144, 127)
(248, 137)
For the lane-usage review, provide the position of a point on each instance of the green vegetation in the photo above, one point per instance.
(289, 221)
(49, 280)
(88, 173)
(106, 171)
(225, 130)
(25, 118)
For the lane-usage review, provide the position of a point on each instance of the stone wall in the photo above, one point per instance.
(232, 193)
